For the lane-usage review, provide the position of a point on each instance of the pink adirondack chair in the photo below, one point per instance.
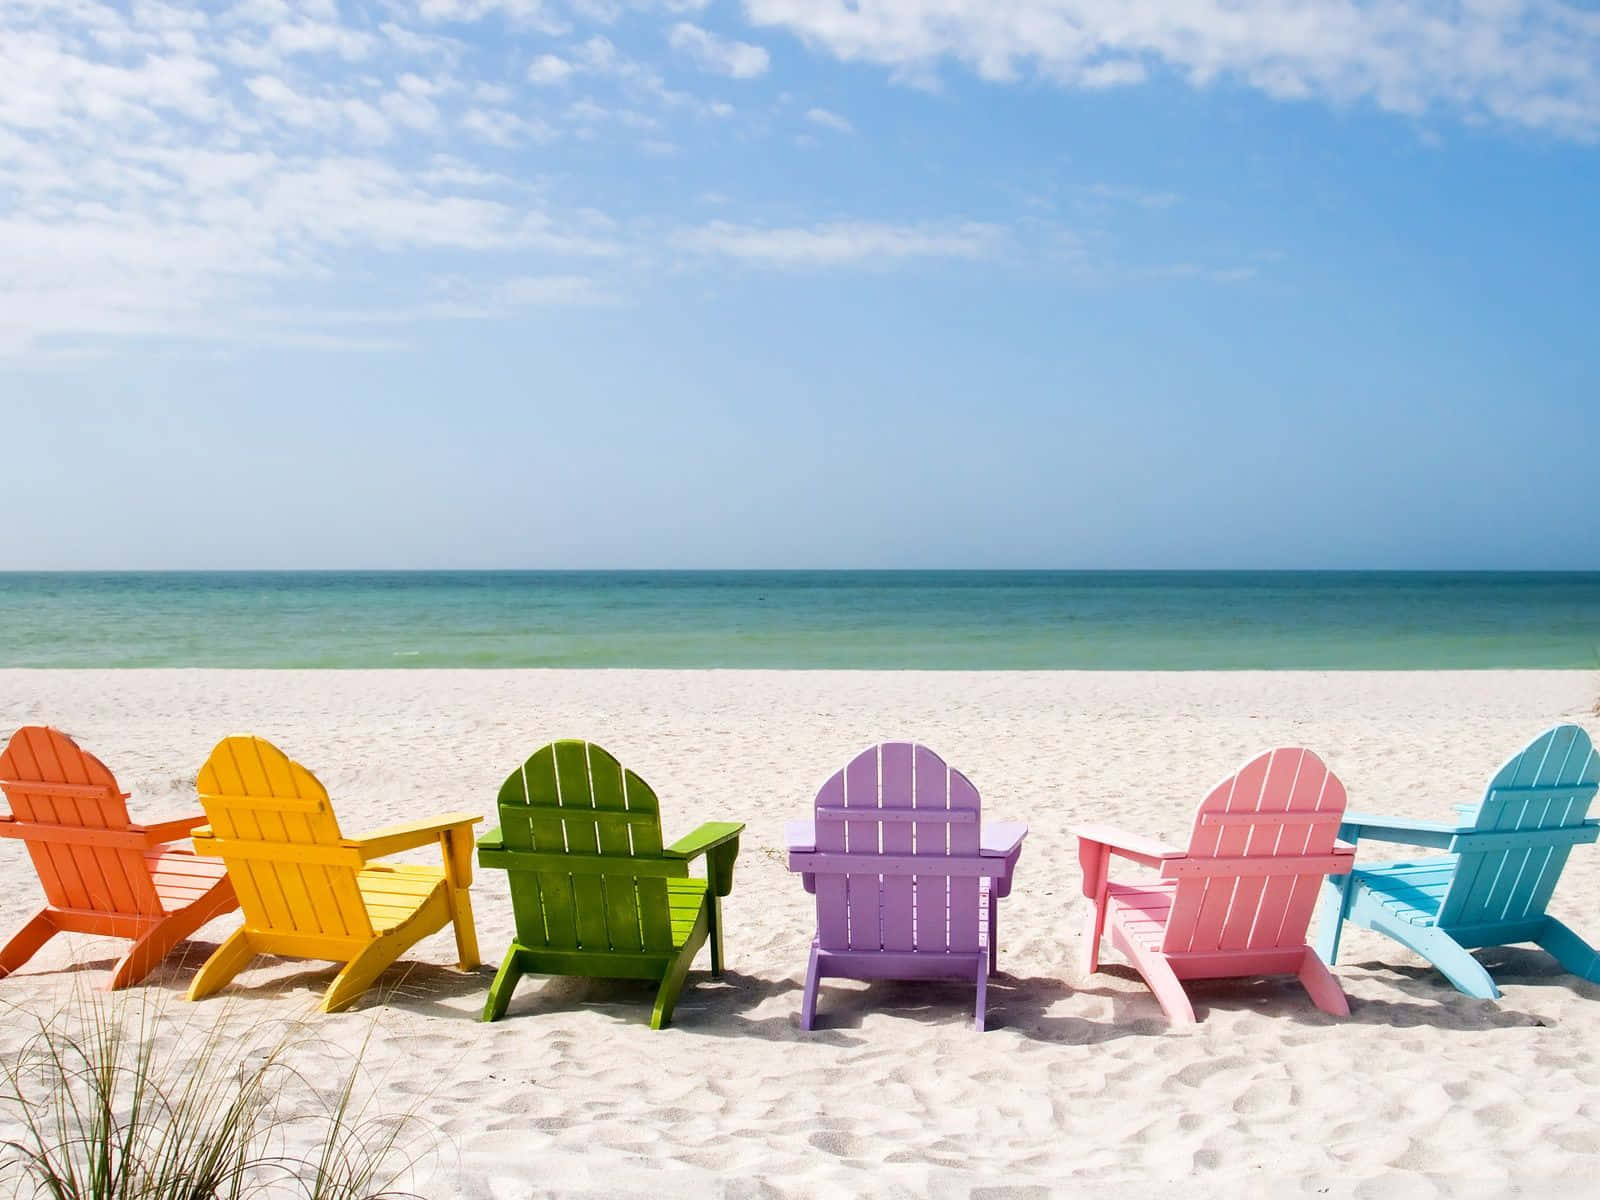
(905, 873)
(1235, 903)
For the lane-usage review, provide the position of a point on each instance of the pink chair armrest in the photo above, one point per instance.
(1140, 849)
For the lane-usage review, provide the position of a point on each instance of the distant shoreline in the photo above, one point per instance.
(805, 620)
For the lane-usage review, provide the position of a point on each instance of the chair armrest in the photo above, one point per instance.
(719, 842)
(1435, 834)
(493, 840)
(800, 836)
(704, 839)
(171, 831)
(1140, 849)
(1001, 839)
(392, 839)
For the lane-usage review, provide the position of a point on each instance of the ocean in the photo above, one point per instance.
(981, 620)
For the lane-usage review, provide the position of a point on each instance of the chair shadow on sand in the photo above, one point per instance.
(1029, 1006)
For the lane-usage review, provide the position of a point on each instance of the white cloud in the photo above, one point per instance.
(843, 242)
(829, 120)
(549, 69)
(1533, 64)
(170, 173)
(504, 128)
(718, 55)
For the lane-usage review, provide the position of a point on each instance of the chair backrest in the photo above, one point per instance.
(1538, 793)
(892, 803)
(585, 837)
(1262, 843)
(276, 832)
(69, 810)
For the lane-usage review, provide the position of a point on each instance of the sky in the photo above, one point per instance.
(800, 283)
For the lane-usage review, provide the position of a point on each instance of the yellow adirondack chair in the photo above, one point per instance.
(308, 892)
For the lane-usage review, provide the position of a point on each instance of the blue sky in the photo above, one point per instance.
(622, 283)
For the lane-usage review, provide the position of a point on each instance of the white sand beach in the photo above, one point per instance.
(1079, 1083)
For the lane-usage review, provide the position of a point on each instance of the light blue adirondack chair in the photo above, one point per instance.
(1491, 887)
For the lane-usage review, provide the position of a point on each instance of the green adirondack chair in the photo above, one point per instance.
(593, 891)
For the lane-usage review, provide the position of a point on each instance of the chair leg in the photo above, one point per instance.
(671, 985)
(362, 971)
(25, 943)
(1444, 952)
(157, 942)
(1322, 987)
(808, 999)
(505, 982)
(466, 933)
(983, 991)
(145, 954)
(1335, 904)
(1570, 950)
(1166, 985)
(225, 962)
(994, 942)
(1093, 930)
(714, 916)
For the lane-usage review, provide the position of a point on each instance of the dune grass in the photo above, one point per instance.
(118, 1099)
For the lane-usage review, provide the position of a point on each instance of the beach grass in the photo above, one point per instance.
(120, 1099)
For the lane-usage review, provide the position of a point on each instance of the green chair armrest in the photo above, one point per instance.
(719, 842)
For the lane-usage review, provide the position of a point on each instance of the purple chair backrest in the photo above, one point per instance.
(895, 802)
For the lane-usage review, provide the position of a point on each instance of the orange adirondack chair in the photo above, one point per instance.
(101, 873)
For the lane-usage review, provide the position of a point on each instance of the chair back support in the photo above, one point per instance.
(274, 828)
(902, 830)
(67, 808)
(1263, 841)
(584, 861)
(1523, 830)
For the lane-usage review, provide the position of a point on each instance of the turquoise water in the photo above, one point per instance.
(853, 619)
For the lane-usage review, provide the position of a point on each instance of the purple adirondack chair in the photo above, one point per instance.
(904, 871)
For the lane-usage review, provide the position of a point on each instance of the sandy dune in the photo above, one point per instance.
(1079, 1083)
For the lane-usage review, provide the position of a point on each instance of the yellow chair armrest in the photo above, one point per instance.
(392, 839)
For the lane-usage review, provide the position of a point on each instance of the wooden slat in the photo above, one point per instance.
(965, 894)
(889, 816)
(1272, 819)
(1254, 868)
(70, 835)
(304, 855)
(619, 893)
(948, 866)
(268, 803)
(74, 791)
(932, 799)
(833, 895)
(861, 840)
(655, 922)
(602, 818)
(588, 895)
(898, 917)
(549, 837)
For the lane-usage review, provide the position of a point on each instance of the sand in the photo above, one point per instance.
(1079, 1083)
